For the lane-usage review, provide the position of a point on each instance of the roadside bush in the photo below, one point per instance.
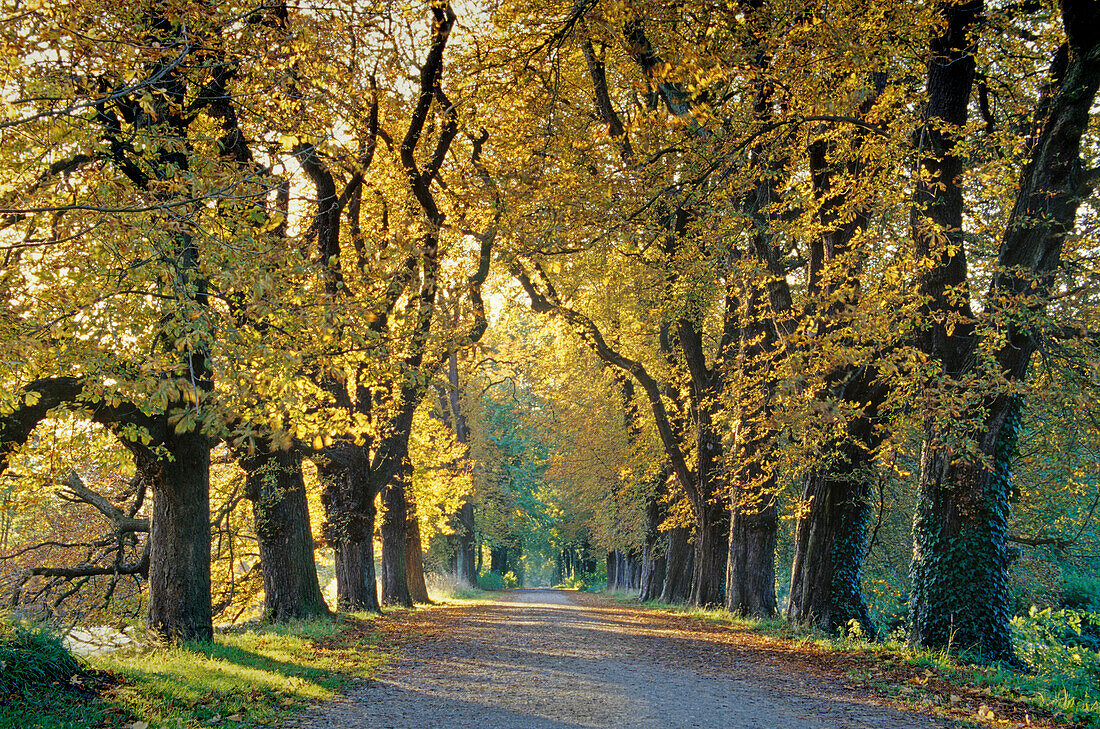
(593, 581)
(32, 655)
(584, 582)
(1050, 642)
(492, 580)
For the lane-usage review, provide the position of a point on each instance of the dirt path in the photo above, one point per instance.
(545, 659)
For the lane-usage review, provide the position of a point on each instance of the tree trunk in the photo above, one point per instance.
(356, 588)
(281, 514)
(712, 526)
(498, 559)
(960, 597)
(395, 583)
(830, 543)
(463, 519)
(681, 565)
(465, 570)
(831, 537)
(414, 558)
(754, 522)
(349, 528)
(654, 555)
(179, 540)
(628, 571)
(652, 578)
(711, 535)
(750, 577)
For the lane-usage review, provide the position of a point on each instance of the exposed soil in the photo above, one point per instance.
(547, 659)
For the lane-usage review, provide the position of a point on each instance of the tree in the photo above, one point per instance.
(961, 556)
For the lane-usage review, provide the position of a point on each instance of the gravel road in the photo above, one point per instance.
(548, 659)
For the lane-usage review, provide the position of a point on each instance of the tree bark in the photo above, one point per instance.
(750, 576)
(395, 582)
(712, 530)
(179, 539)
(280, 511)
(654, 555)
(465, 569)
(681, 565)
(830, 543)
(414, 557)
(349, 528)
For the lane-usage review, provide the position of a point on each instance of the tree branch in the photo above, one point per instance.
(41, 396)
(121, 522)
(430, 77)
(549, 303)
(603, 102)
(141, 567)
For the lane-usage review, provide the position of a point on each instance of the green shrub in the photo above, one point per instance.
(572, 583)
(887, 604)
(1081, 592)
(493, 580)
(32, 655)
(1049, 641)
(584, 582)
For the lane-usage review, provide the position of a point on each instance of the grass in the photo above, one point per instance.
(930, 680)
(250, 676)
(31, 655)
(443, 587)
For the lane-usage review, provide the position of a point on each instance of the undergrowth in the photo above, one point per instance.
(493, 580)
(40, 679)
(442, 586)
(31, 655)
(583, 582)
(251, 675)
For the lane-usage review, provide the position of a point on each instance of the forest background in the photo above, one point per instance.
(780, 306)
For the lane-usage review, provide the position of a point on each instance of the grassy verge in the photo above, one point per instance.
(931, 681)
(442, 587)
(463, 594)
(250, 676)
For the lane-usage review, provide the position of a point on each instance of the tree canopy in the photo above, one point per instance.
(709, 300)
